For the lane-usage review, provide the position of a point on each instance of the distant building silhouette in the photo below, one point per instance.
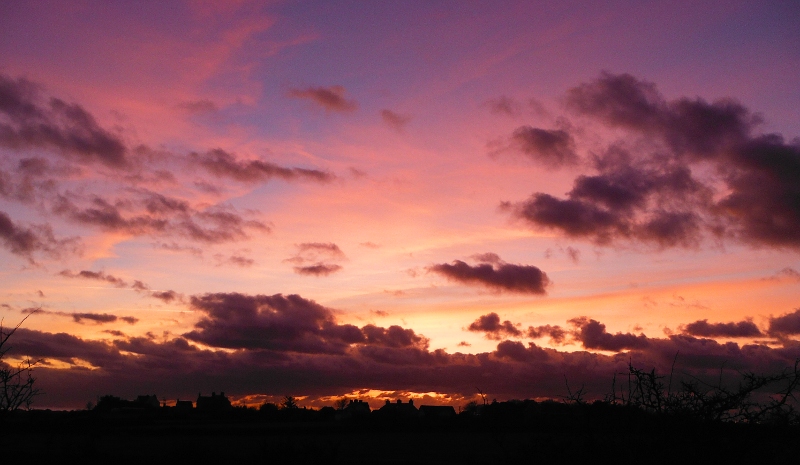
(354, 409)
(147, 401)
(113, 403)
(213, 403)
(183, 405)
(398, 410)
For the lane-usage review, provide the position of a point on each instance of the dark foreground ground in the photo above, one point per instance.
(582, 437)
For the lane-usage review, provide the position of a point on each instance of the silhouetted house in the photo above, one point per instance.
(358, 407)
(398, 410)
(214, 403)
(354, 409)
(183, 405)
(437, 411)
(328, 413)
(147, 402)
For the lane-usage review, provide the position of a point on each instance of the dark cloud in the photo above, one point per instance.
(330, 98)
(28, 122)
(496, 275)
(393, 336)
(556, 333)
(222, 163)
(593, 335)
(156, 204)
(749, 190)
(95, 275)
(397, 359)
(114, 332)
(25, 241)
(319, 269)
(494, 329)
(488, 257)
(167, 296)
(786, 324)
(517, 352)
(101, 318)
(551, 147)
(276, 322)
(286, 324)
(690, 127)
(97, 318)
(162, 216)
(703, 328)
(103, 214)
(395, 120)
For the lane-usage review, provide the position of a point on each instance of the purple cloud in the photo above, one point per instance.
(330, 98)
(499, 276)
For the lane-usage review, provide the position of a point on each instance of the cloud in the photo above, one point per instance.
(574, 254)
(317, 253)
(289, 344)
(489, 257)
(393, 336)
(277, 322)
(500, 276)
(556, 333)
(28, 122)
(101, 318)
(648, 187)
(222, 163)
(95, 275)
(395, 120)
(703, 328)
(330, 98)
(789, 272)
(494, 329)
(286, 324)
(553, 148)
(517, 352)
(167, 296)
(323, 248)
(26, 241)
(786, 324)
(78, 317)
(593, 335)
(162, 216)
(319, 269)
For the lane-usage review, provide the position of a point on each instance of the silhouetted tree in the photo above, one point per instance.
(289, 402)
(756, 399)
(16, 382)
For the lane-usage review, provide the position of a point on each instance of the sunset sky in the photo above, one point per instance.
(396, 199)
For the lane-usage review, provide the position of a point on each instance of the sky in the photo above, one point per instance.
(386, 200)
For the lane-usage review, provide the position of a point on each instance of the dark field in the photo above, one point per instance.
(569, 436)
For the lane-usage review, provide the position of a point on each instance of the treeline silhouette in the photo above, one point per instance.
(646, 416)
